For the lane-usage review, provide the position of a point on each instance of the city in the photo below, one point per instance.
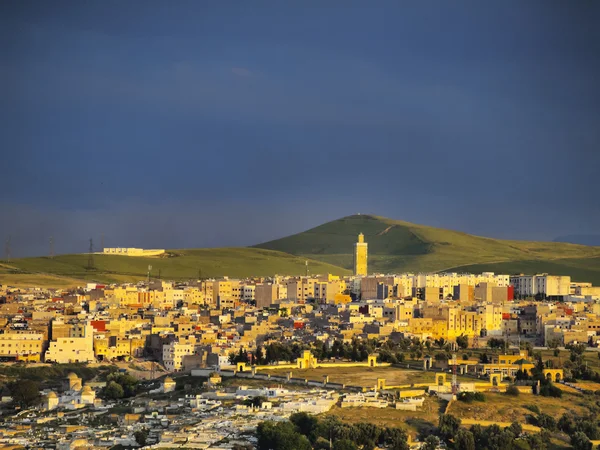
(201, 364)
(299, 225)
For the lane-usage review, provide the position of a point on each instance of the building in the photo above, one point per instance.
(72, 349)
(173, 354)
(133, 251)
(265, 295)
(360, 256)
(21, 346)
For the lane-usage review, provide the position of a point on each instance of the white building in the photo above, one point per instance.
(248, 292)
(544, 284)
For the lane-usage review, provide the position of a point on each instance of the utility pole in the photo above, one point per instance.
(51, 247)
(199, 274)
(159, 274)
(149, 269)
(90, 264)
(102, 241)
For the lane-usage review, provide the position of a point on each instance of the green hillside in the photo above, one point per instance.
(397, 246)
(179, 265)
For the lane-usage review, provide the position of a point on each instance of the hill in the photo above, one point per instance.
(583, 239)
(397, 246)
(70, 270)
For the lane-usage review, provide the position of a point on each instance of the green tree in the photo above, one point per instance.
(25, 393)
(462, 341)
(113, 391)
(448, 426)
(464, 440)
(395, 438)
(515, 428)
(431, 443)
(546, 421)
(344, 444)
(141, 437)
(306, 424)
(579, 441)
(535, 442)
(280, 436)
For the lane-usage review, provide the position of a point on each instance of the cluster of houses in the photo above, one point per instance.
(199, 324)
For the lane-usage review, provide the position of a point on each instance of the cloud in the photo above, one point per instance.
(241, 72)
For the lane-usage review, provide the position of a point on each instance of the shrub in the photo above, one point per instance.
(470, 397)
(513, 391)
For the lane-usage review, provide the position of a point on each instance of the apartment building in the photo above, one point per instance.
(21, 345)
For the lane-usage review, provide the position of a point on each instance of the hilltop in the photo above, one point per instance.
(394, 246)
(397, 246)
(70, 270)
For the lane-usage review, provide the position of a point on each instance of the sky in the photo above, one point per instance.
(206, 124)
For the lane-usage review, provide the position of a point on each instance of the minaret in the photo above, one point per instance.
(360, 256)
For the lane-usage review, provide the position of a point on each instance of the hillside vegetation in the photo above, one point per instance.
(397, 246)
(68, 270)
(394, 246)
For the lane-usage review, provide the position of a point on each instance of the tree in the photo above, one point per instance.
(535, 442)
(579, 441)
(464, 440)
(462, 341)
(344, 444)
(113, 391)
(448, 426)
(395, 438)
(140, 437)
(431, 443)
(280, 436)
(566, 424)
(546, 421)
(516, 429)
(306, 424)
(25, 393)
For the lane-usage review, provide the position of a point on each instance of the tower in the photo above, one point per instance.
(90, 264)
(360, 256)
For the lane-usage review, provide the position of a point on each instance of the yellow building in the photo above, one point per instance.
(302, 289)
(21, 345)
(360, 256)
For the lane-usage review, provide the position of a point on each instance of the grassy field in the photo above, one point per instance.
(397, 246)
(421, 422)
(364, 376)
(63, 270)
(394, 246)
(503, 408)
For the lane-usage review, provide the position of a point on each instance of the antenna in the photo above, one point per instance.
(90, 264)
(51, 247)
(7, 249)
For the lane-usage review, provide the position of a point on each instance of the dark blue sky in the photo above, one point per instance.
(191, 124)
